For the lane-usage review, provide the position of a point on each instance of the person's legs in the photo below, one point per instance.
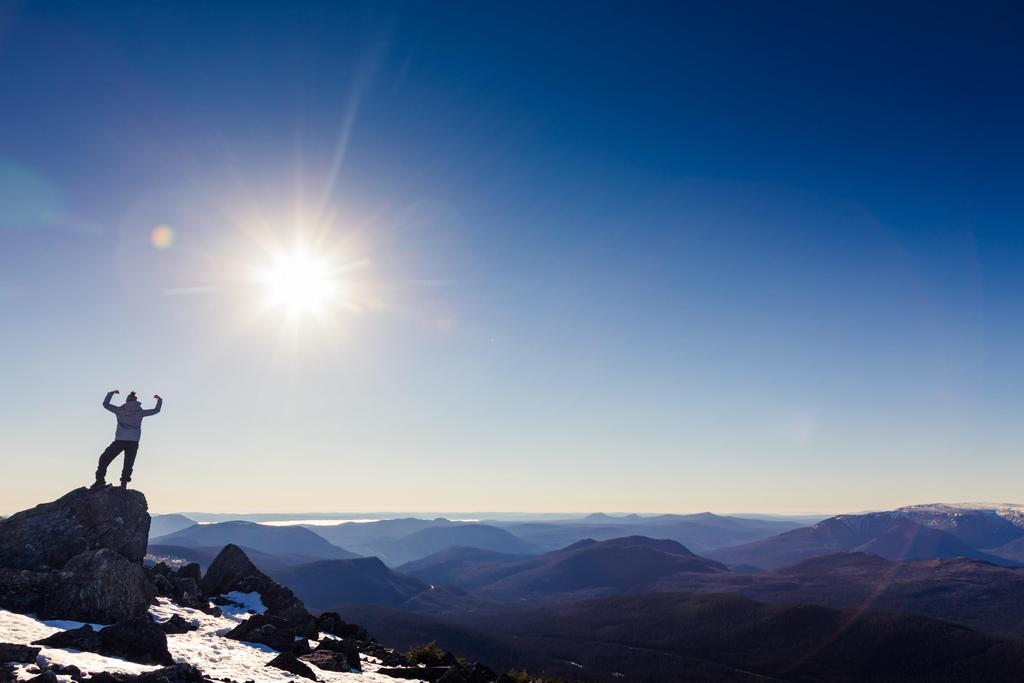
(106, 457)
(131, 449)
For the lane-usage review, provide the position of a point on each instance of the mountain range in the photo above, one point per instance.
(293, 541)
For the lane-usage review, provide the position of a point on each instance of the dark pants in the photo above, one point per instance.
(130, 448)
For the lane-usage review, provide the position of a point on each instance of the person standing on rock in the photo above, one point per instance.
(126, 439)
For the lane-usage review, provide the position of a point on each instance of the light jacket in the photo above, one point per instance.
(129, 417)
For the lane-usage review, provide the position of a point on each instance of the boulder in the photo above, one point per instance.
(267, 630)
(231, 570)
(416, 673)
(137, 640)
(84, 638)
(98, 586)
(331, 622)
(18, 654)
(49, 535)
(177, 625)
(291, 664)
(346, 648)
(178, 673)
(330, 661)
(187, 593)
(70, 670)
(45, 677)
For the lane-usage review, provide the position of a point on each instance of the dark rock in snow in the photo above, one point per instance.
(98, 586)
(343, 647)
(265, 629)
(177, 625)
(45, 677)
(416, 673)
(331, 622)
(187, 593)
(49, 535)
(6, 674)
(178, 673)
(83, 638)
(137, 640)
(301, 647)
(231, 570)
(21, 654)
(70, 670)
(331, 661)
(291, 664)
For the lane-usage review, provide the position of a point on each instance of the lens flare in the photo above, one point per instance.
(162, 237)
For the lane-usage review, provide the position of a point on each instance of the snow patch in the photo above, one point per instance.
(205, 648)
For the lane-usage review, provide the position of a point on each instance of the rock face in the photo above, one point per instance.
(50, 534)
(98, 586)
(231, 570)
(79, 557)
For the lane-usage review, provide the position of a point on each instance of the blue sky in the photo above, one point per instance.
(730, 257)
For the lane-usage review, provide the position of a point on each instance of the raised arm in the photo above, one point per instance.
(154, 411)
(106, 401)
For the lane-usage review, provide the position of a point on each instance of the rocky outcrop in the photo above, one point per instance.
(184, 585)
(49, 535)
(267, 630)
(346, 648)
(78, 557)
(231, 570)
(331, 622)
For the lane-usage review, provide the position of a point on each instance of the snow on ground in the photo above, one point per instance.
(243, 604)
(225, 658)
(215, 656)
(18, 628)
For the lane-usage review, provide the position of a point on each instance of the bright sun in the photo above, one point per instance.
(299, 282)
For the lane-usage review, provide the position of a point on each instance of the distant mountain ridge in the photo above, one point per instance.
(892, 535)
(411, 539)
(274, 540)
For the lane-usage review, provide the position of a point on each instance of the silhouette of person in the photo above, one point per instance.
(126, 438)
